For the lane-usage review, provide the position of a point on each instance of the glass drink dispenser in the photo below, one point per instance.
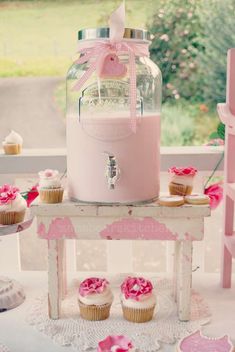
(113, 119)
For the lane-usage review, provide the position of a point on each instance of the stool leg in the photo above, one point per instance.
(184, 280)
(176, 269)
(62, 268)
(54, 279)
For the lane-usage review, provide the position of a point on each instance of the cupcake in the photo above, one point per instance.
(137, 299)
(12, 143)
(50, 189)
(181, 180)
(12, 205)
(95, 299)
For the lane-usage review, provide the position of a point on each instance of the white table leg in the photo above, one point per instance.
(184, 280)
(176, 270)
(62, 268)
(55, 281)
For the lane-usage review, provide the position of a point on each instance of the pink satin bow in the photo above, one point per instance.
(95, 53)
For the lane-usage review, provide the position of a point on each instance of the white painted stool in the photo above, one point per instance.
(70, 220)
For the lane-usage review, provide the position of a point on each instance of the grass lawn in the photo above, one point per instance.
(39, 37)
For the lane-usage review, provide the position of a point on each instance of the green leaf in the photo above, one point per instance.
(214, 135)
(221, 130)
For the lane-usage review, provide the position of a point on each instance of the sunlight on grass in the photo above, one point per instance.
(40, 37)
(34, 67)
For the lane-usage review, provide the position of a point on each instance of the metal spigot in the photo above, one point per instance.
(112, 172)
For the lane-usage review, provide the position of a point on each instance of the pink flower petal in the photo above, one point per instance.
(122, 344)
(135, 287)
(215, 192)
(183, 171)
(8, 193)
(92, 285)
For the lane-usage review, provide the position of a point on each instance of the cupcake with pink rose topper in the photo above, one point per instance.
(138, 299)
(115, 344)
(181, 180)
(50, 188)
(12, 205)
(95, 299)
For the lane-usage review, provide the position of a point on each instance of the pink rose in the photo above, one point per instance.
(48, 173)
(115, 344)
(92, 285)
(183, 171)
(8, 193)
(215, 192)
(135, 287)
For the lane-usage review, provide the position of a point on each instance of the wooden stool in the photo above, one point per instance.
(70, 220)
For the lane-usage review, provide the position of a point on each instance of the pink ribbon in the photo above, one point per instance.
(96, 52)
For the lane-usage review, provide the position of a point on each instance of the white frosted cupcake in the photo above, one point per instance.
(95, 299)
(137, 299)
(12, 143)
(12, 205)
(181, 180)
(50, 188)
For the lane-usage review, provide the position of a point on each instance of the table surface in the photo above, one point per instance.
(119, 221)
(70, 208)
(27, 338)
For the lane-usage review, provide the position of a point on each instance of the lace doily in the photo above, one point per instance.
(84, 335)
(3, 348)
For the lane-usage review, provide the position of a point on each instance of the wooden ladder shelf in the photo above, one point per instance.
(227, 116)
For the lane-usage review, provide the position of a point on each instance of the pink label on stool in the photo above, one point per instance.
(112, 67)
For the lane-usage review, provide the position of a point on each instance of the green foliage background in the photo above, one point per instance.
(191, 39)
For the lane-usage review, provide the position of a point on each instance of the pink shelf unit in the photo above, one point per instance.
(227, 115)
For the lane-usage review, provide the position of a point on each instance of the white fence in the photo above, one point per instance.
(26, 252)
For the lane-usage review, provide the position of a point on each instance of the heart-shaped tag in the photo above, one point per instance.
(112, 67)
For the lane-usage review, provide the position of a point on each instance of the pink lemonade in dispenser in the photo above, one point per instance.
(113, 117)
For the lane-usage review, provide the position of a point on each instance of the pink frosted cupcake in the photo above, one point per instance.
(95, 299)
(137, 299)
(12, 205)
(181, 180)
(50, 188)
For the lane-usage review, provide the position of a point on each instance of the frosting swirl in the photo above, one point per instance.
(11, 199)
(182, 175)
(49, 179)
(95, 291)
(146, 301)
(13, 138)
(97, 299)
(183, 171)
(136, 288)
